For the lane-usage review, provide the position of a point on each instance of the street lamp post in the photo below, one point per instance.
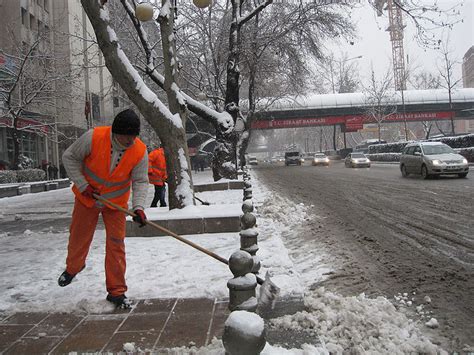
(340, 62)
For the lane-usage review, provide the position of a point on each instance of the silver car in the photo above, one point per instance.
(357, 160)
(432, 159)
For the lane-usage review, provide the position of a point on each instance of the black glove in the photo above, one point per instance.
(140, 217)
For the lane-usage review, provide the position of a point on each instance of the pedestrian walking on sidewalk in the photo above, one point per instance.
(106, 161)
(157, 175)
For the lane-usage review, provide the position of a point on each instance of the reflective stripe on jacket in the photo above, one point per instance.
(115, 185)
(157, 167)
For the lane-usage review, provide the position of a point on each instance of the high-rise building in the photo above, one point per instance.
(468, 82)
(468, 68)
(60, 43)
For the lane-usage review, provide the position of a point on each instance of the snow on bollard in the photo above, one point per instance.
(242, 294)
(247, 193)
(244, 334)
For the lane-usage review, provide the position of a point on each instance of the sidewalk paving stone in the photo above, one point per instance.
(152, 325)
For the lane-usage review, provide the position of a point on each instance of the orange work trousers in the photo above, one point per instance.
(84, 222)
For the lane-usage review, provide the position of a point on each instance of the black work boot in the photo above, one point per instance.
(66, 278)
(120, 301)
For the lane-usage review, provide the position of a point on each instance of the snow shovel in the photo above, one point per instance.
(205, 203)
(268, 291)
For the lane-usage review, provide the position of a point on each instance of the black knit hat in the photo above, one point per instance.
(126, 122)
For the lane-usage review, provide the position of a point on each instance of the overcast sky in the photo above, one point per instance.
(375, 46)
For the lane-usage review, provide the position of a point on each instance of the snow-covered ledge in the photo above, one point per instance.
(189, 220)
(220, 185)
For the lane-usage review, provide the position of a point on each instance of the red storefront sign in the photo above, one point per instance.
(352, 122)
(25, 124)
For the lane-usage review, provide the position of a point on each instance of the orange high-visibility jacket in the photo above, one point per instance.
(113, 186)
(157, 167)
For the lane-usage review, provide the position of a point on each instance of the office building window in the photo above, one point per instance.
(28, 146)
(24, 17)
(32, 23)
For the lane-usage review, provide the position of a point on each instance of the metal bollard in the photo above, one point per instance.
(242, 294)
(244, 334)
(249, 234)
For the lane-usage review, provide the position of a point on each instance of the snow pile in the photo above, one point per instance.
(357, 324)
(216, 348)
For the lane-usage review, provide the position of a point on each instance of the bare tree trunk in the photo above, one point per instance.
(169, 127)
(253, 64)
(176, 108)
(16, 147)
(439, 129)
(226, 150)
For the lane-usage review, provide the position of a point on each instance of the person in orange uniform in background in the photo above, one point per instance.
(157, 175)
(106, 161)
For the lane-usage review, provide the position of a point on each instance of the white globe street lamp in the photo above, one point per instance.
(144, 12)
(202, 3)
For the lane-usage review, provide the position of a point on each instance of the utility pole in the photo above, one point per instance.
(340, 62)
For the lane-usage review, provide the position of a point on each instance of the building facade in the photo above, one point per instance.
(81, 93)
(468, 82)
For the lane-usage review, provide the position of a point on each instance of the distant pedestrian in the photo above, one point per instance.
(51, 172)
(157, 175)
(62, 171)
(55, 172)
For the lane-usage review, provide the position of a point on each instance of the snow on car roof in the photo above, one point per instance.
(425, 143)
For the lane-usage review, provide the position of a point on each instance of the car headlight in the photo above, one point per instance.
(326, 160)
(464, 161)
(436, 162)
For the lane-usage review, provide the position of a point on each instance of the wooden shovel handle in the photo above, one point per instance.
(163, 229)
(170, 233)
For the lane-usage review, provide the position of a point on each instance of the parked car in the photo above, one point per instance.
(293, 158)
(252, 160)
(320, 159)
(432, 159)
(357, 160)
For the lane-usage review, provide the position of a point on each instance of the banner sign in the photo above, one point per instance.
(25, 124)
(352, 122)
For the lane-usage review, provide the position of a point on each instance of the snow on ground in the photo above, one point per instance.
(156, 267)
(163, 267)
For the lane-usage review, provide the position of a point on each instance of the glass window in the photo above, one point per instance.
(24, 17)
(437, 149)
(27, 146)
(32, 23)
(417, 149)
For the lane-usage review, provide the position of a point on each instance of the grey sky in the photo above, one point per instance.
(375, 46)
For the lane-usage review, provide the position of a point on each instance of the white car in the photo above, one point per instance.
(320, 159)
(252, 161)
(357, 160)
